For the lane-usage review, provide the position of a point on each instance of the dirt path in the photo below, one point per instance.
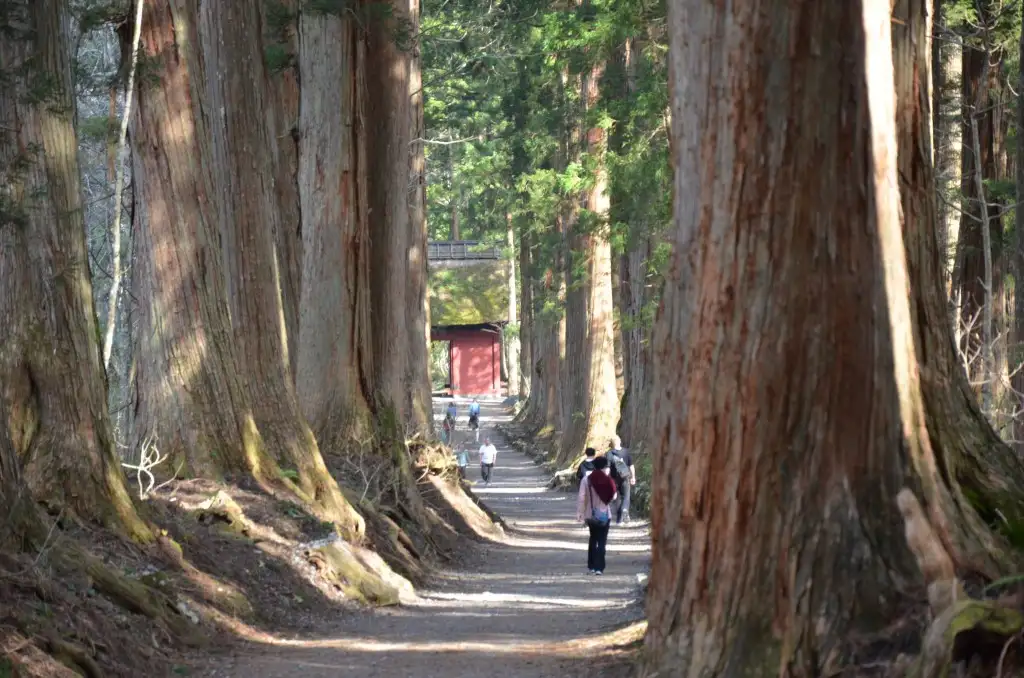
(519, 608)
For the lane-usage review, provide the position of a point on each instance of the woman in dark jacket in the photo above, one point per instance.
(597, 491)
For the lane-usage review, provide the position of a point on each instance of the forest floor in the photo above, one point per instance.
(523, 606)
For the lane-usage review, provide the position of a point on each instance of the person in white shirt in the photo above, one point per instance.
(488, 453)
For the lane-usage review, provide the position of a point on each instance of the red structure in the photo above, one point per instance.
(474, 357)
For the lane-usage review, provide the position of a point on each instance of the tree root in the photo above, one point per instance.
(73, 656)
(361, 574)
(963, 628)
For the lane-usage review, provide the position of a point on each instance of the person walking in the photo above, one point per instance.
(587, 465)
(624, 475)
(488, 455)
(462, 459)
(597, 491)
(474, 418)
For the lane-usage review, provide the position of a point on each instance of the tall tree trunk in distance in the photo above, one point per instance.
(821, 404)
(398, 264)
(243, 156)
(969, 269)
(593, 404)
(947, 111)
(1018, 273)
(52, 397)
(189, 394)
(633, 297)
(526, 322)
(418, 307)
(335, 309)
(512, 342)
(283, 115)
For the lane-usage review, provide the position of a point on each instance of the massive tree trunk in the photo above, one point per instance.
(592, 405)
(790, 410)
(283, 116)
(334, 365)
(189, 393)
(398, 259)
(52, 397)
(243, 155)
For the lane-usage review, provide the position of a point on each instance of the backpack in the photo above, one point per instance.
(619, 466)
(586, 466)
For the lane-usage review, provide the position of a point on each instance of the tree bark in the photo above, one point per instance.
(1017, 380)
(398, 258)
(283, 116)
(592, 408)
(189, 393)
(512, 342)
(243, 155)
(51, 377)
(334, 370)
(948, 143)
(795, 394)
(526, 323)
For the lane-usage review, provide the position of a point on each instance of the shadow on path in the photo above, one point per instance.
(525, 607)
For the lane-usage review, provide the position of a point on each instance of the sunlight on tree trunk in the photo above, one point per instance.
(243, 158)
(592, 407)
(189, 392)
(788, 342)
(51, 376)
(398, 257)
(335, 305)
(283, 116)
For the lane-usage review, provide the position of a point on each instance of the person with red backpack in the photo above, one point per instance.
(597, 492)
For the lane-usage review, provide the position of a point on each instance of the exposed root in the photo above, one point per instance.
(359, 573)
(978, 633)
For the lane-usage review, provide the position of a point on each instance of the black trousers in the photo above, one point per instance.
(485, 472)
(622, 507)
(595, 549)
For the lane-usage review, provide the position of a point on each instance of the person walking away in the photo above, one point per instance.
(451, 412)
(587, 465)
(624, 475)
(488, 454)
(462, 459)
(474, 417)
(597, 491)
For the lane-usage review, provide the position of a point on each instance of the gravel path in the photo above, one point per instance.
(518, 609)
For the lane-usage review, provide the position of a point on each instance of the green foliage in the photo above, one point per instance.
(278, 57)
(468, 295)
(503, 82)
(99, 128)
